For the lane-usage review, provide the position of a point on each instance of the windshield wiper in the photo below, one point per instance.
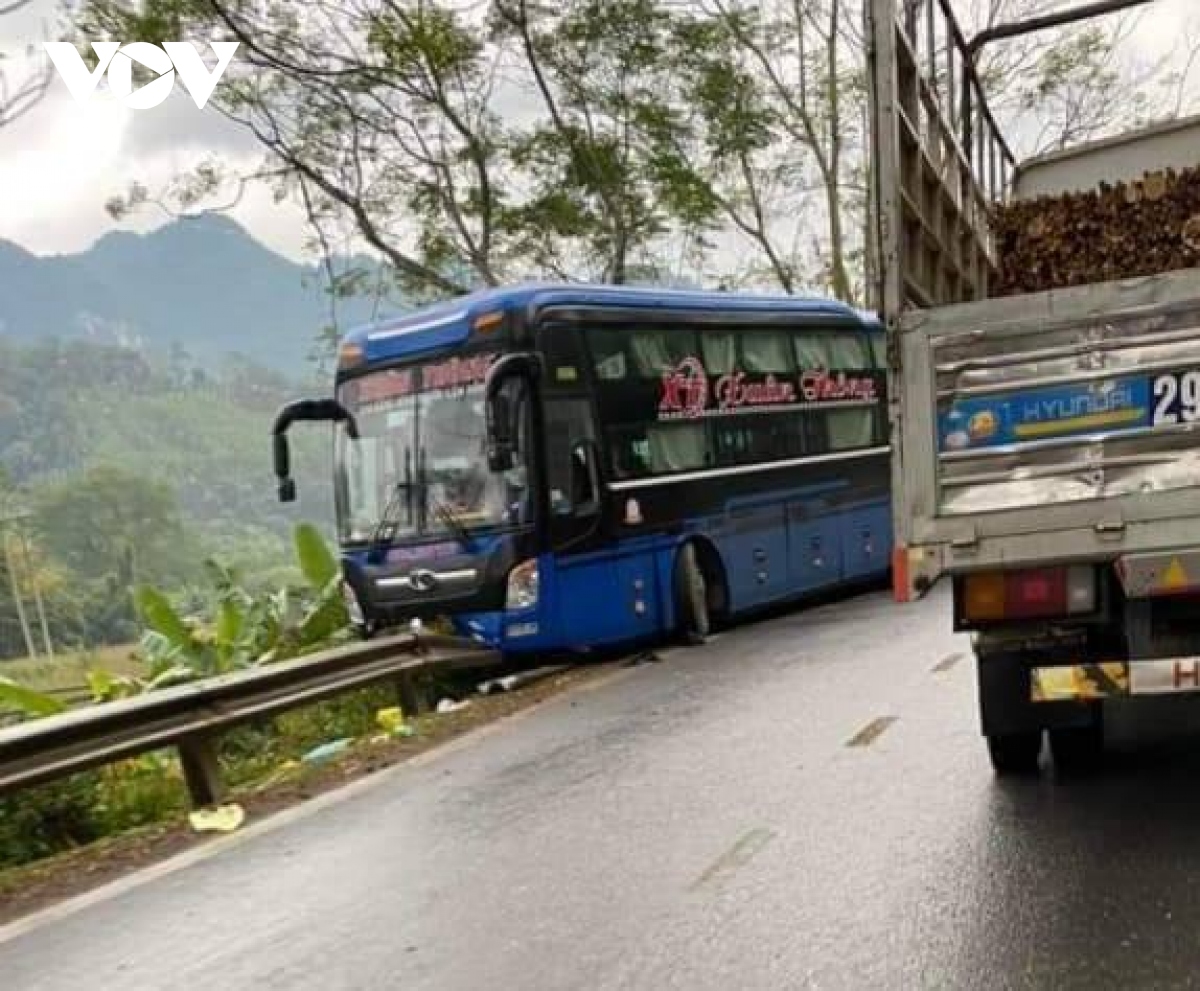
(440, 508)
(389, 519)
(444, 512)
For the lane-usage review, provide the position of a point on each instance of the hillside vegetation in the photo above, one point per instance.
(119, 467)
(202, 286)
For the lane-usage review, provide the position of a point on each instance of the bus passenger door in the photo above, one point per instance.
(601, 595)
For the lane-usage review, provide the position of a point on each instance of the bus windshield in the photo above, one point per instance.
(422, 448)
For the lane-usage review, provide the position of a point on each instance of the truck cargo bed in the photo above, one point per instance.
(1051, 427)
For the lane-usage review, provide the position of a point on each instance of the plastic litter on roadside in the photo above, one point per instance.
(326, 751)
(391, 721)
(449, 705)
(512, 682)
(222, 819)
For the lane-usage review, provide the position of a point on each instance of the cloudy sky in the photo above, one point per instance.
(60, 163)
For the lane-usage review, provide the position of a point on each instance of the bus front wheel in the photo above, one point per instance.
(691, 597)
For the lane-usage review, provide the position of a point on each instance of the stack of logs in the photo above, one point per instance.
(1119, 231)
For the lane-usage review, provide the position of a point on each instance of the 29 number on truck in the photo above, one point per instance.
(1177, 397)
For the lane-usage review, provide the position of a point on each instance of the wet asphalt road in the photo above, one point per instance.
(698, 823)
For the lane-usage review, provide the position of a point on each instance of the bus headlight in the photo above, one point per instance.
(353, 606)
(522, 586)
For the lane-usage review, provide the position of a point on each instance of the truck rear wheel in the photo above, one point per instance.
(1015, 753)
(1077, 749)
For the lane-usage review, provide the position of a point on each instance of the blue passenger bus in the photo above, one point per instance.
(566, 467)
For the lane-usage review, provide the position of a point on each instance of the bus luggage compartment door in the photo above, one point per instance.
(866, 546)
(755, 546)
(814, 546)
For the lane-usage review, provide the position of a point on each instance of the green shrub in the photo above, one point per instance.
(46, 820)
(139, 792)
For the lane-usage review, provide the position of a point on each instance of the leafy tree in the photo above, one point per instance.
(608, 166)
(114, 524)
(476, 144)
(377, 116)
(385, 119)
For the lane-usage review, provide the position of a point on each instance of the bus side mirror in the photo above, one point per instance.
(501, 412)
(501, 433)
(287, 484)
(303, 409)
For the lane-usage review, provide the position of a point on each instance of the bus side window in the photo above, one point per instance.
(841, 351)
(607, 347)
(630, 451)
(879, 351)
(645, 449)
(766, 352)
(657, 351)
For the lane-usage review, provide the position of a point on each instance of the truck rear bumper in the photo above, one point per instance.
(1115, 679)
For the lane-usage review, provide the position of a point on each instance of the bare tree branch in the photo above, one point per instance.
(16, 102)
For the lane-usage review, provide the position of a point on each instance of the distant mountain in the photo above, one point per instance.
(202, 284)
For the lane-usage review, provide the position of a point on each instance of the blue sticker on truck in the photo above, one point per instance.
(1059, 411)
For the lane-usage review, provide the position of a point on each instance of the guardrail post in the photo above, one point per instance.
(201, 770)
(411, 696)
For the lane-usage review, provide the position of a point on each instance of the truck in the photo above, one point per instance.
(1045, 453)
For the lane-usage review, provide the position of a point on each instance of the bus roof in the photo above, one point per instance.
(448, 323)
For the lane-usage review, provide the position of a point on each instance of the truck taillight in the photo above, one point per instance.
(1034, 593)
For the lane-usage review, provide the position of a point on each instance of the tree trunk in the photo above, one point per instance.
(838, 274)
(39, 602)
(41, 611)
(11, 564)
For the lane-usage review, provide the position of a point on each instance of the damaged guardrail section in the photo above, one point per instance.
(192, 717)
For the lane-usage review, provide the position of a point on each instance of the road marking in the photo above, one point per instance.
(946, 663)
(735, 858)
(871, 732)
(278, 820)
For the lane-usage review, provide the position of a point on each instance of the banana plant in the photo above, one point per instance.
(242, 630)
(28, 701)
(246, 629)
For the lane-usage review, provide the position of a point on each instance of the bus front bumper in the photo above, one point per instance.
(506, 631)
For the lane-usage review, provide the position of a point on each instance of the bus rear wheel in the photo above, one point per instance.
(691, 597)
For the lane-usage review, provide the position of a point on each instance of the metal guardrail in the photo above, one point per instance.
(192, 717)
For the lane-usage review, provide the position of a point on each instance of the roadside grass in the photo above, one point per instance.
(69, 669)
